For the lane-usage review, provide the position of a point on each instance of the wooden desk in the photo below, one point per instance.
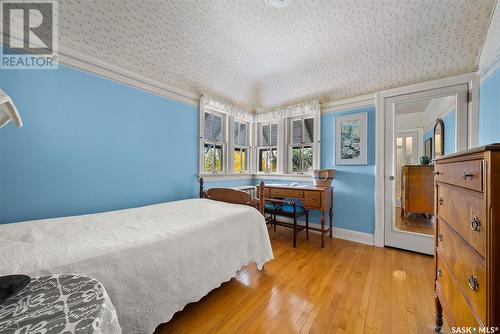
(313, 198)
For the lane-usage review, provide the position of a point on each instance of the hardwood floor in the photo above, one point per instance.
(343, 288)
(414, 223)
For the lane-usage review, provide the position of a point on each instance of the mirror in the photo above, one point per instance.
(438, 138)
(428, 147)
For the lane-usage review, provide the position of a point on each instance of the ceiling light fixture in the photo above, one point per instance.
(277, 3)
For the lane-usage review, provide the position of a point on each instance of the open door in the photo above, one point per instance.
(409, 180)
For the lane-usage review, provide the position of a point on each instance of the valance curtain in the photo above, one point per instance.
(208, 101)
(306, 108)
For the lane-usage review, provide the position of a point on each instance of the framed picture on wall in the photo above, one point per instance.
(351, 139)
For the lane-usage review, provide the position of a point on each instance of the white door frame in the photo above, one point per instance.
(471, 79)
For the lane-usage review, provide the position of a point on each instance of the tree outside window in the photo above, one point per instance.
(213, 153)
(301, 145)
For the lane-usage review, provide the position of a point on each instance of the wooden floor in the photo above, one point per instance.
(344, 288)
(414, 223)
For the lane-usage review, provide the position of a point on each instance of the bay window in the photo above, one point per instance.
(213, 141)
(301, 145)
(267, 147)
(241, 147)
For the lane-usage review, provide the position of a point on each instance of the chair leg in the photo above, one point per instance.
(307, 225)
(274, 222)
(294, 231)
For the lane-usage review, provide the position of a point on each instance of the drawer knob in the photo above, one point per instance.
(439, 273)
(440, 237)
(441, 201)
(473, 283)
(467, 175)
(475, 223)
(436, 173)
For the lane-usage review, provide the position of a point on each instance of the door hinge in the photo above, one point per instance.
(468, 98)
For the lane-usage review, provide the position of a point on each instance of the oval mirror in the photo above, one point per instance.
(438, 138)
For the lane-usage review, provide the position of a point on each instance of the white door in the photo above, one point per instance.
(415, 231)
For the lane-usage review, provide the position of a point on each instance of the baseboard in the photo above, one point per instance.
(341, 233)
(359, 237)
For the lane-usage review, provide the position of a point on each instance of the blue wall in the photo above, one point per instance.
(489, 110)
(229, 183)
(90, 145)
(449, 133)
(354, 186)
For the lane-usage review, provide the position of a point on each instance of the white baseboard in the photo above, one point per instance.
(340, 233)
(359, 237)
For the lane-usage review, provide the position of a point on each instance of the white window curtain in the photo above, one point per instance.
(224, 107)
(297, 110)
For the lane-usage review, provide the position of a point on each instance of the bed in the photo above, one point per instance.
(152, 260)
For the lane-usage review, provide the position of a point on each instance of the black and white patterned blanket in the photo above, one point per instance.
(59, 304)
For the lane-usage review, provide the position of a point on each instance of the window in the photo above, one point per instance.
(240, 154)
(213, 135)
(301, 145)
(268, 147)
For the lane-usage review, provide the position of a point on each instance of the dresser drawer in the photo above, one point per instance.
(466, 265)
(292, 193)
(452, 298)
(465, 211)
(467, 174)
(312, 199)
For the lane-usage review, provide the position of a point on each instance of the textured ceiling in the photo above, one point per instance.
(259, 57)
(491, 50)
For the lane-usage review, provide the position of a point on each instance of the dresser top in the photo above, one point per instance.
(489, 147)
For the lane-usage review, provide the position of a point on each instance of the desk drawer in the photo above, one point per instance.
(452, 298)
(466, 174)
(292, 193)
(312, 199)
(465, 211)
(467, 267)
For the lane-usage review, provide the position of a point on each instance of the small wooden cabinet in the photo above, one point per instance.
(417, 193)
(467, 238)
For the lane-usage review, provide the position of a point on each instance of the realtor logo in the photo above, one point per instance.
(29, 34)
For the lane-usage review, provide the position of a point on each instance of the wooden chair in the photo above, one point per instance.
(284, 208)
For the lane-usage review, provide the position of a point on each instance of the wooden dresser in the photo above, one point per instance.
(467, 238)
(417, 189)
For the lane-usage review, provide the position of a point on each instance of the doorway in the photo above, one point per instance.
(410, 120)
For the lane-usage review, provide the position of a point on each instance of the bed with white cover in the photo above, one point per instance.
(152, 260)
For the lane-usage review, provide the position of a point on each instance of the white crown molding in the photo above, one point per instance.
(86, 63)
(488, 71)
(357, 102)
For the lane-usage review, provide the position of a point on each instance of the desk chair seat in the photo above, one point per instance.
(276, 207)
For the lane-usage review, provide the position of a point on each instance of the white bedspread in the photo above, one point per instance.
(152, 260)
